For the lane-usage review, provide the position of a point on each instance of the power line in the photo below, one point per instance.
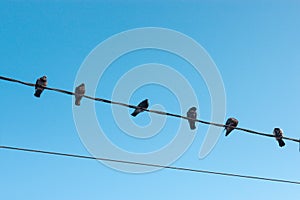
(152, 165)
(147, 110)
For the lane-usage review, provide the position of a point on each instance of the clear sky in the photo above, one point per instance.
(254, 44)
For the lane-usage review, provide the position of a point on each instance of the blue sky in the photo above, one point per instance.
(255, 45)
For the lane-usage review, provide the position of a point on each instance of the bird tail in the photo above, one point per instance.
(38, 93)
(192, 125)
(228, 130)
(281, 143)
(77, 100)
(134, 114)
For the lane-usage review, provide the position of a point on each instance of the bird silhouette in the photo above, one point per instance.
(230, 122)
(40, 83)
(79, 92)
(192, 114)
(143, 105)
(279, 135)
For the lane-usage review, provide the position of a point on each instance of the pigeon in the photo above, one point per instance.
(192, 114)
(79, 92)
(230, 122)
(40, 82)
(144, 104)
(278, 135)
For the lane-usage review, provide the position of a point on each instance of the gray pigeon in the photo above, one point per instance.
(279, 135)
(230, 122)
(192, 114)
(40, 82)
(79, 92)
(143, 105)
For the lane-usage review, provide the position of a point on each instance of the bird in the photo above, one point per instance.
(230, 122)
(39, 86)
(142, 106)
(79, 92)
(192, 114)
(279, 135)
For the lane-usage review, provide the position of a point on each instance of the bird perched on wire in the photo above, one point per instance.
(142, 106)
(79, 92)
(279, 135)
(192, 114)
(230, 122)
(40, 83)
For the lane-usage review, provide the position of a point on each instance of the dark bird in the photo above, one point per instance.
(40, 83)
(192, 114)
(279, 135)
(143, 105)
(79, 92)
(231, 122)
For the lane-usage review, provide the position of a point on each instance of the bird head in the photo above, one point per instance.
(193, 109)
(44, 78)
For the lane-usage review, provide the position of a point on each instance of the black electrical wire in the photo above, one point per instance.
(147, 110)
(152, 165)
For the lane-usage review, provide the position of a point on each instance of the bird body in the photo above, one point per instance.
(40, 83)
(142, 106)
(192, 114)
(79, 92)
(230, 122)
(279, 135)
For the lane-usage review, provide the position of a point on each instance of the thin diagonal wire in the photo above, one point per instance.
(147, 110)
(152, 165)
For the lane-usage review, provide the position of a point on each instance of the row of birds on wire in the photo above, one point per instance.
(231, 122)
